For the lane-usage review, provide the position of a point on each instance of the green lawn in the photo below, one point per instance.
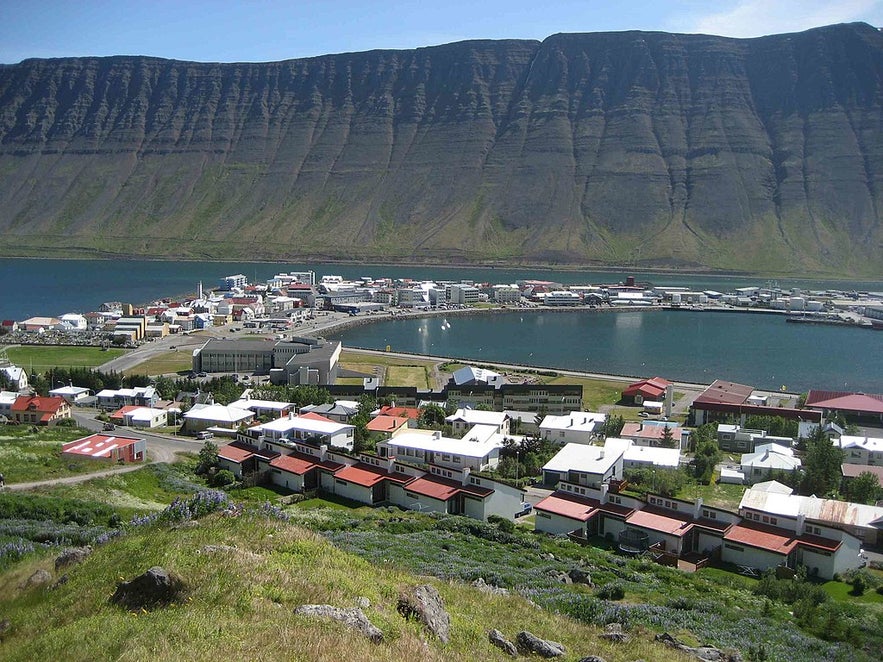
(720, 495)
(41, 358)
(27, 456)
(172, 361)
(841, 592)
(329, 501)
(596, 392)
(407, 376)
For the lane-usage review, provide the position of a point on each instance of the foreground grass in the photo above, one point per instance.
(34, 453)
(241, 597)
(40, 358)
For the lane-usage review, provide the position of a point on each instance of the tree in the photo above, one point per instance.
(432, 416)
(708, 454)
(821, 465)
(208, 458)
(864, 488)
(362, 438)
(668, 440)
(612, 426)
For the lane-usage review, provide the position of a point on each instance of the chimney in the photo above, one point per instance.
(798, 526)
(390, 463)
(436, 434)
(605, 488)
(323, 451)
(697, 508)
(291, 416)
(465, 476)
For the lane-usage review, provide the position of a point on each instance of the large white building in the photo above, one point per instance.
(282, 433)
(577, 427)
(766, 459)
(478, 450)
(861, 450)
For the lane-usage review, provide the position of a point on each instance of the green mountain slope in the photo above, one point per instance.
(646, 149)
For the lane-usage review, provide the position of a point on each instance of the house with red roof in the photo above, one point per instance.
(39, 410)
(860, 407)
(387, 426)
(724, 401)
(243, 459)
(646, 389)
(411, 413)
(121, 448)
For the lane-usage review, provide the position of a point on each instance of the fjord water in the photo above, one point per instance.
(756, 349)
(761, 350)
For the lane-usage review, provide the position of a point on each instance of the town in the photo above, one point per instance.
(613, 475)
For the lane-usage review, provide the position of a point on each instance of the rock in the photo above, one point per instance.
(71, 555)
(363, 603)
(530, 643)
(154, 588)
(706, 653)
(61, 581)
(39, 578)
(613, 632)
(484, 587)
(5, 624)
(354, 619)
(425, 604)
(563, 578)
(592, 658)
(580, 576)
(497, 639)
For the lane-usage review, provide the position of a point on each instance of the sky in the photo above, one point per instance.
(269, 30)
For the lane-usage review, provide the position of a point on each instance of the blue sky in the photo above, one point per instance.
(266, 30)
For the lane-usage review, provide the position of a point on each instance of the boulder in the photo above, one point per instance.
(592, 658)
(530, 643)
(71, 555)
(39, 578)
(354, 619)
(425, 604)
(490, 589)
(363, 603)
(580, 576)
(705, 653)
(613, 632)
(497, 639)
(154, 588)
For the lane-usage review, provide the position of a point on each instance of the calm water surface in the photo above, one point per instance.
(761, 350)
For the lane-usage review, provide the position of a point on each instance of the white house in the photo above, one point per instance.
(202, 417)
(463, 420)
(586, 466)
(18, 378)
(577, 427)
(146, 417)
(73, 394)
(283, 432)
(478, 450)
(767, 458)
(861, 450)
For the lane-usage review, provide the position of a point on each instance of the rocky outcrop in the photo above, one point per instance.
(613, 632)
(705, 653)
(71, 556)
(497, 639)
(530, 643)
(639, 148)
(38, 578)
(154, 588)
(424, 604)
(354, 618)
(490, 589)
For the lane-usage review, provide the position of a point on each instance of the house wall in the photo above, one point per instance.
(505, 500)
(476, 508)
(235, 467)
(286, 479)
(352, 491)
(611, 527)
(554, 524)
(707, 542)
(423, 503)
(750, 556)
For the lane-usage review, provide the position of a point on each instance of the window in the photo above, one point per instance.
(544, 515)
(340, 482)
(766, 520)
(455, 459)
(773, 521)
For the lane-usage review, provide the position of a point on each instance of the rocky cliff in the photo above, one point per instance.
(635, 148)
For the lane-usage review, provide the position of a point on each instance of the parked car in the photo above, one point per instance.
(110, 426)
(205, 434)
(526, 509)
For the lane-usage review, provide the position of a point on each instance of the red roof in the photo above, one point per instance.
(368, 476)
(401, 412)
(725, 392)
(98, 445)
(443, 488)
(317, 417)
(295, 464)
(642, 431)
(771, 539)
(566, 505)
(38, 403)
(653, 388)
(122, 411)
(855, 470)
(386, 423)
(234, 453)
(657, 520)
(865, 403)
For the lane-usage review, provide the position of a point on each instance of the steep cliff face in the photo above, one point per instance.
(648, 149)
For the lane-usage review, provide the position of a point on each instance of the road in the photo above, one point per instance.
(160, 448)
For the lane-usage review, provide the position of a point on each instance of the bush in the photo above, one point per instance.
(222, 478)
(505, 525)
(611, 591)
(858, 585)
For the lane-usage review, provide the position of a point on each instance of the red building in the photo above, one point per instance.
(39, 410)
(646, 389)
(108, 447)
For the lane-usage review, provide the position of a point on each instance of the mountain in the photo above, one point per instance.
(633, 148)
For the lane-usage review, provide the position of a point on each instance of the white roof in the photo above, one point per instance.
(304, 424)
(427, 440)
(8, 397)
(821, 510)
(770, 458)
(727, 427)
(872, 444)
(145, 413)
(584, 421)
(589, 459)
(248, 403)
(221, 413)
(772, 486)
(477, 417)
(68, 390)
(660, 457)
(468, 374)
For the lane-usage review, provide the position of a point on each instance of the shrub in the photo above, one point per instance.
(858, 585)
(611, 591)
(222, 478)
(505, 525)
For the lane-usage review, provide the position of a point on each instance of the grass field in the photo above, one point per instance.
(350, 357)
(407, 376)
(720, 495)
(171, 362)
(596, 392)
(27, 456)
(41, 358)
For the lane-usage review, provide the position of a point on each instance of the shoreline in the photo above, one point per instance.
(527, 266)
